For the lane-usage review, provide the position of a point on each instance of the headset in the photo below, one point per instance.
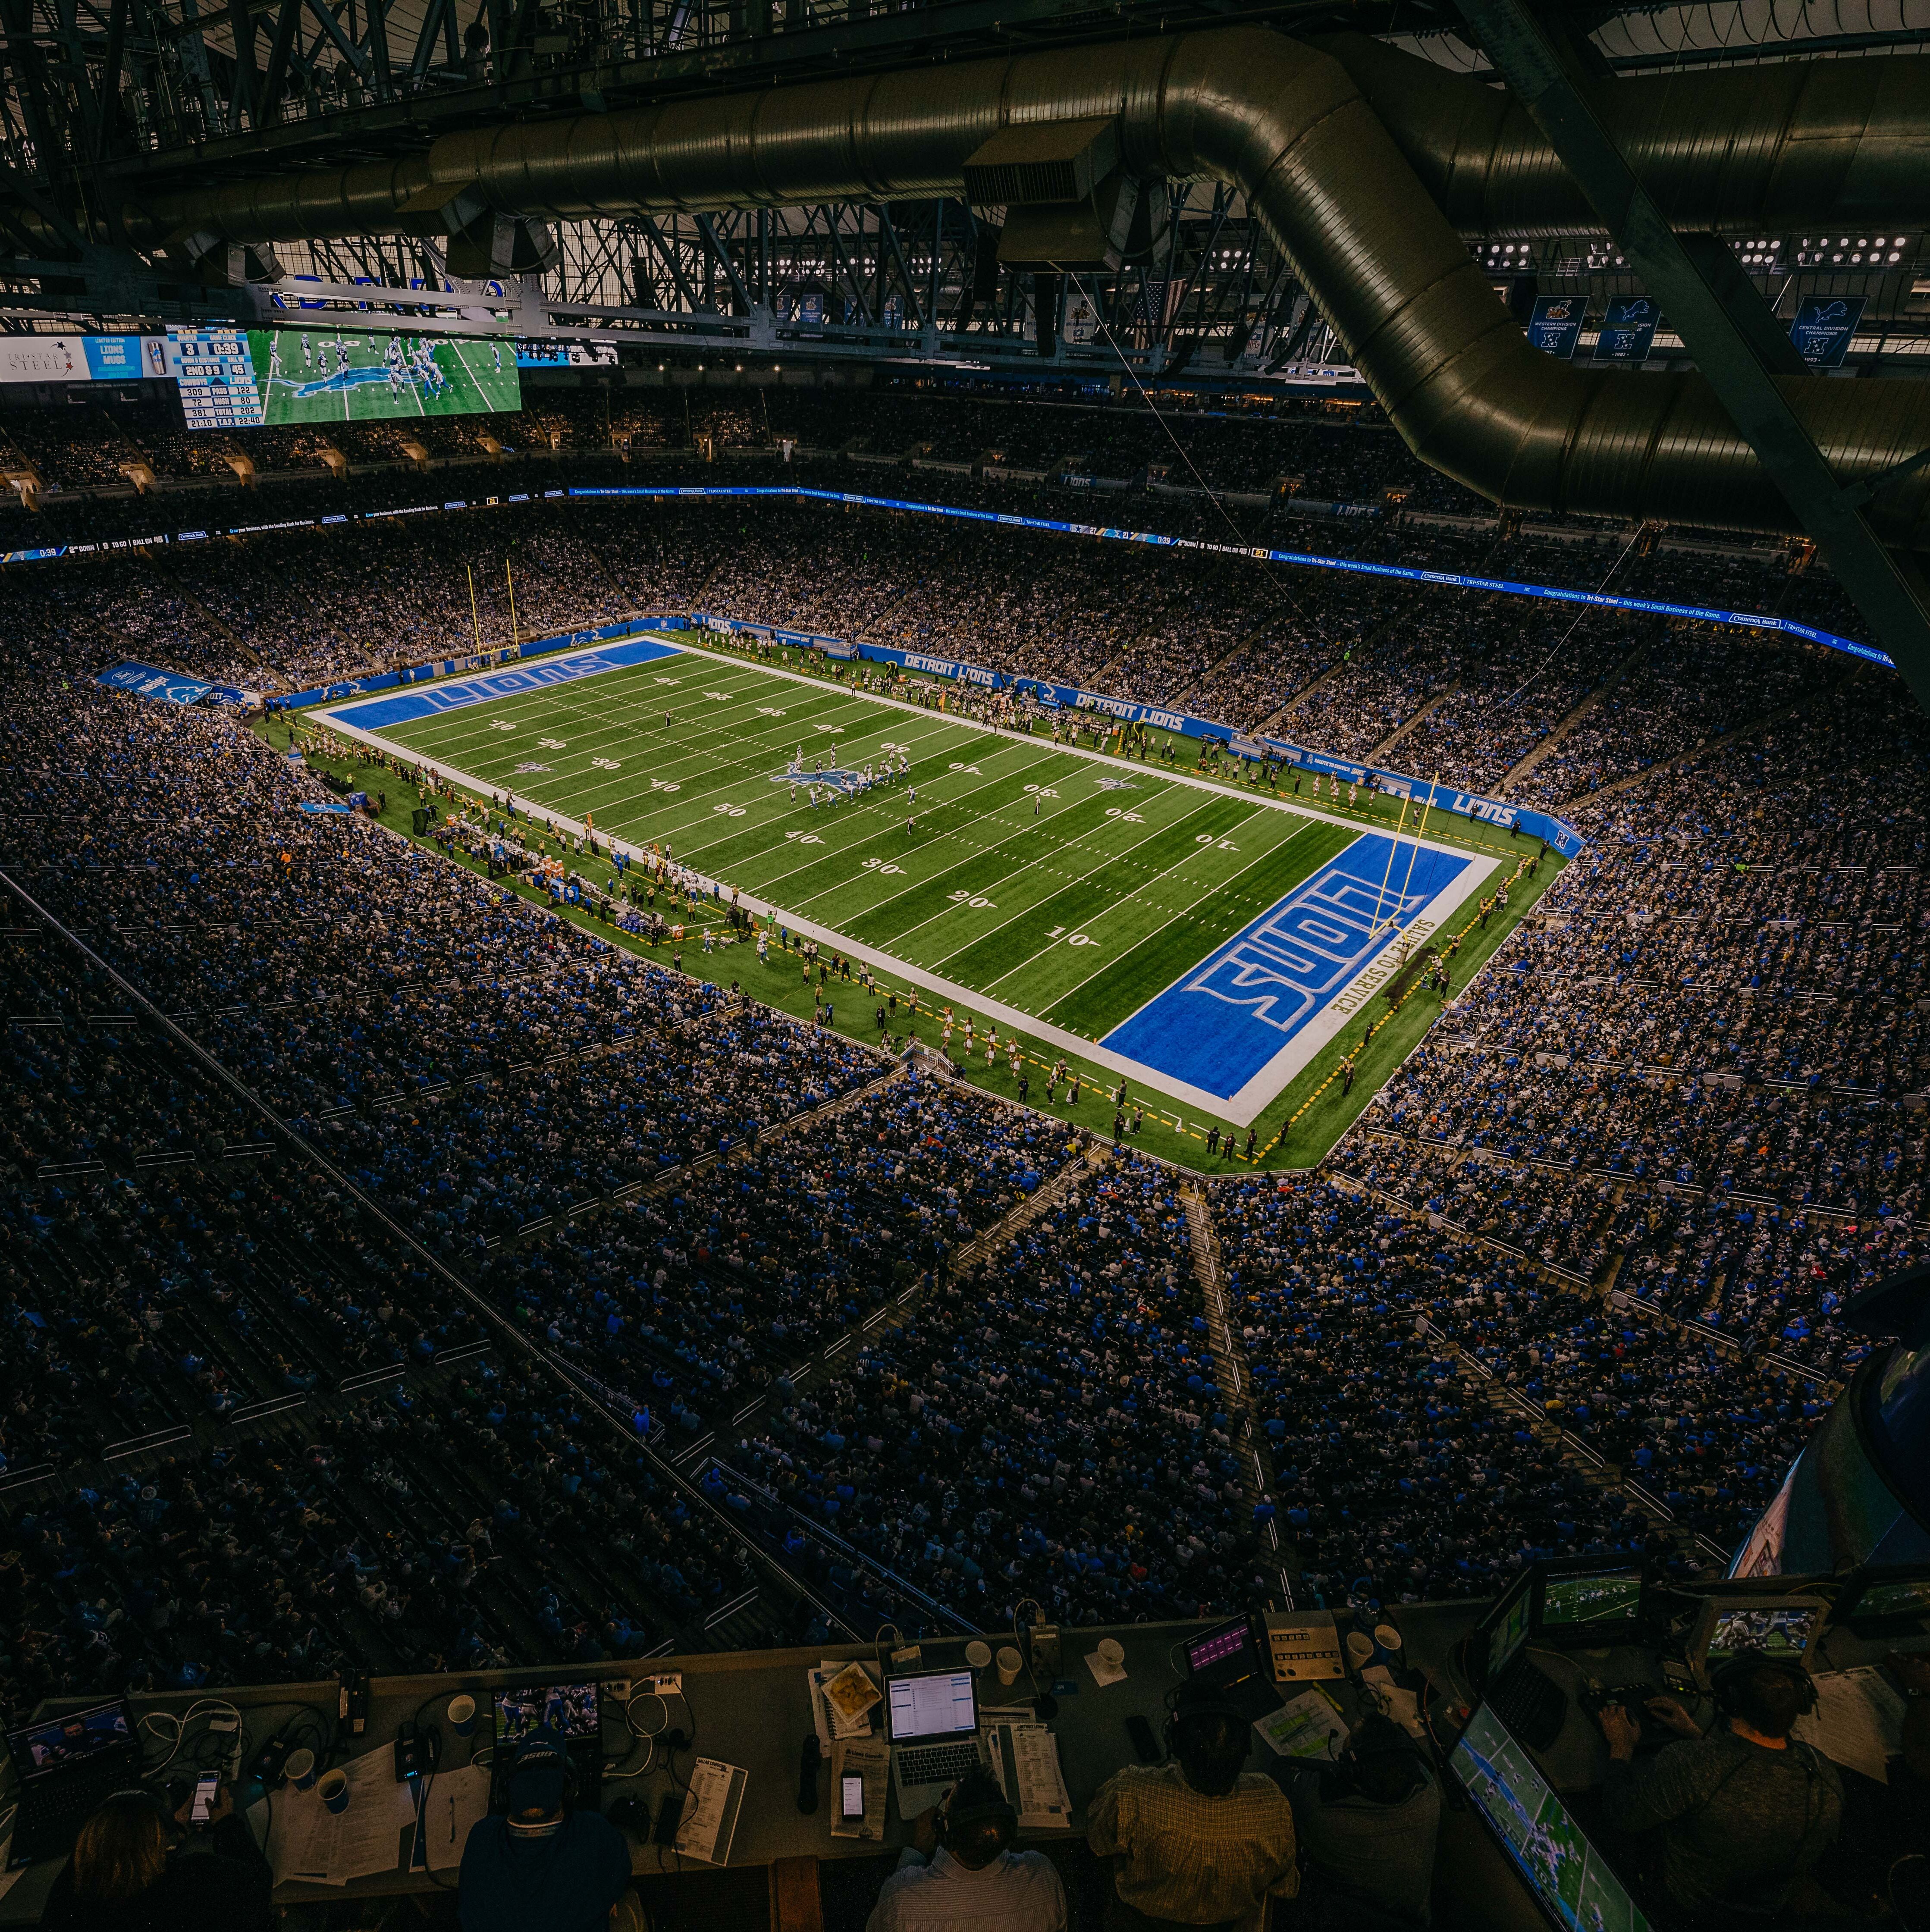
(1200, 1703)
(1728, 1679)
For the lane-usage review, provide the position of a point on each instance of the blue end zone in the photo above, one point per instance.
(401, 708)
(1217, 1026)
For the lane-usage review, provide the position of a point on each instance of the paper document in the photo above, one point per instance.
(1858, 1720)
(870, 1759)
(1309, 1725)
(311, 1844)
(1025, 1759)
(710, 1817)
(456, 1800)
(831, 1722)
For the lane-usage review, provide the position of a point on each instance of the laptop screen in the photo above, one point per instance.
(570, 1710)
(939, 1706)
(1573, 1884)
(82, 1737)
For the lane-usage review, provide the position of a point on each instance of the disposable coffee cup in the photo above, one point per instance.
(1112, 1652)
(978, 1655)
(1360, 1648)
(1388, 1638)
(462, 1714)
(334, 1787)
(300, 1769)
(1009, 1665)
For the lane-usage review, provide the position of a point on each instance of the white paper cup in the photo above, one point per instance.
(978, 1654)
(1112, 1652)
(1360, 1648)
(1009, 1665)
(300, 1769)
(334, 1788)
(462, 1714)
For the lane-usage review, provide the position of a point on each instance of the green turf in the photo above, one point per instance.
(1296, 1128)
(473, 383)
(1022, 872)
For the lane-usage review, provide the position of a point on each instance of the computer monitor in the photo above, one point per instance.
(1501, 1633)
(1572, 1883)
(570, 1710)
(1589, 1605)
(1878, 1602)
(1777, 1630)
(939, 1705)
(81, 1737)
(1225, 1654)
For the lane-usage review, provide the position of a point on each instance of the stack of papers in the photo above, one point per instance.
(309, 1844)
(1858, 1720)
(870, 1759)
(841, 1697)
(1026, 1758)
(710, 1817)
(1307, 1726)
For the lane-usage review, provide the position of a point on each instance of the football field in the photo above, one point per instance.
(306, 375)
(1196, 940)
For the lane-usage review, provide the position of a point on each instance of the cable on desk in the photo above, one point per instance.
(420, 1841)
(1889, 1889)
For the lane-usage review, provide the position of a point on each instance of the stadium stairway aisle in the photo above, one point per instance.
(896, 1314)
(1229, 1361)
(546, 1365)
(1597, 1473)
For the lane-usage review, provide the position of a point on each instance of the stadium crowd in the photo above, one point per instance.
(568, 1209)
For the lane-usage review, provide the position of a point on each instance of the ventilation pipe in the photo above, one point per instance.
(1283, 122)
(1788, 145)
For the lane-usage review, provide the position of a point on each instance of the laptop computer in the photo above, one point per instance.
(931, 1721)
(67, 1766)
(574, 1712)
(1229, 1660)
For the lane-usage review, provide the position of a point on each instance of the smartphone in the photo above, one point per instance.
(669, 1817)
(1144, 1742)
(207, 1791)
(850, 1798)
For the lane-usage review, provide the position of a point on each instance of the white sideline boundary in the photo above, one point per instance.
(1243, 1109)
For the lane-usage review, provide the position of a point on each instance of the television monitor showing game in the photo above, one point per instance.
(570, 1710)
(1571, 1880)
(1879, 1601)
(1776, 1630)
(234, 379)
(1602, 1604)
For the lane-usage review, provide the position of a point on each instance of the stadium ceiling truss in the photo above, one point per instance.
(98, 96)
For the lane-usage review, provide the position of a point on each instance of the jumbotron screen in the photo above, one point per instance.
(243, 379)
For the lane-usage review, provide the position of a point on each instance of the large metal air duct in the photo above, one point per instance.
(1282, 121)
(1775, 150)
